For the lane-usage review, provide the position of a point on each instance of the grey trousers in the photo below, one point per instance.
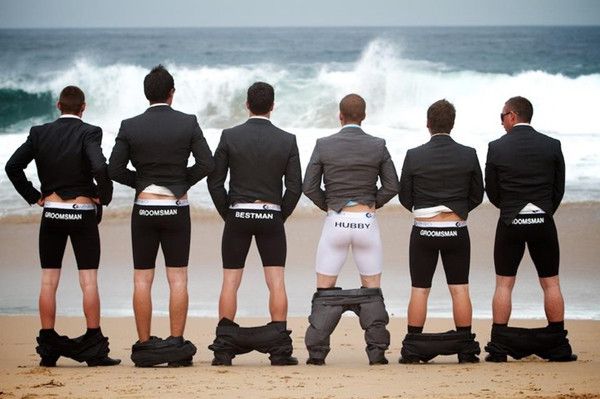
(327, 309)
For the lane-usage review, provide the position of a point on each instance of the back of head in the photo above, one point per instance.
(353, 108)
(260, 98)
(71, 100)
(158, 85)
(440, 117)
(522, 107)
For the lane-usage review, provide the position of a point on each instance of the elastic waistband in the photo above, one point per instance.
(532, 212)
(64, 205)
(159, 202)
(527, 219)
(337, 292)
(441, 224)
(355, 215)
(256, 206)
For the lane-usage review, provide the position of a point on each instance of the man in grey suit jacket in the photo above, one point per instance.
(158, 143)
(350, 163)
(525, 178)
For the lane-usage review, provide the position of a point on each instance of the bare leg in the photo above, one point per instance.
(325, 281)
(88, 280)
(554, 304)
(502, 302)
(417, 307)
(47, 300)
(232, 279)
(178, 299)
(278, 304)
(371, 281)
(142, 302)
(461, 304)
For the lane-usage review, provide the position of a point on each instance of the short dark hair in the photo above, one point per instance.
(353, 107)
(260, 97)
(521, 107)
(71, 100)
(158, 84)
(440, 116)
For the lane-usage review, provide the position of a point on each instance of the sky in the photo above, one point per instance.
(270, 13)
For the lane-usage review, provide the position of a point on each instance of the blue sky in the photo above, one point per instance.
(197, 13)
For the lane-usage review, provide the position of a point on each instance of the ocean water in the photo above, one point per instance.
(399, 71)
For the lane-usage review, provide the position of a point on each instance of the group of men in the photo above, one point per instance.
(440, 183)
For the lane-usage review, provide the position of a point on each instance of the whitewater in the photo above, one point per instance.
(398, 90)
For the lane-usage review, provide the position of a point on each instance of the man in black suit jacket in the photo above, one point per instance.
(68, 157)
(158, 143)
(525, 178)
(441, 183)
(257, 155)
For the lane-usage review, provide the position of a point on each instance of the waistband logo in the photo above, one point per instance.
(252, 215)
(63, 216)
(157, 212)
(441, 233)
(348, 225)
(528, 221)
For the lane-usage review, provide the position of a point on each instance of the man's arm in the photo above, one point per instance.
(15, 171)
(312, 180)
(119, 158)
(202, 155)
(476, 187)
(93, 150)
(406, 184)
(389, 180)
(293, 182)
(491, 179)
(216, 179)
(559, 179)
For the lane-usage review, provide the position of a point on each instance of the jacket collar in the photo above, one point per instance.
(259, 121)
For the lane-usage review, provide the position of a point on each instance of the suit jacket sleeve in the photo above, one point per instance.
(491, 178)
(312, 180)
(93, 150)
(119, 158)
(204, 163)
(389, 180)
(293, 182)
(406, 184)
(216, 179)
(15, 170)
(476, 188)
(559, 179)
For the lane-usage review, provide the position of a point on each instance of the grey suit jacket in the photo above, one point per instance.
(350, 163)
(158, 143)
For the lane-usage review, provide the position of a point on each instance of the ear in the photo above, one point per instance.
(82, 108)
(247, 105)
(58, 106)
(272, 106)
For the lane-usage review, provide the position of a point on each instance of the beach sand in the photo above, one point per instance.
(347, 373)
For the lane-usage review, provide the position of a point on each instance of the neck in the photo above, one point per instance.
(267, 115)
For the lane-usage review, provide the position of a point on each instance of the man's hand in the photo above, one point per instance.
(40, 202)
(96, 200)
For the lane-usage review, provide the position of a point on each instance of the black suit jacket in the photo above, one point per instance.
(68, 156)
(441, 172)
(522, 167)
(158, 143)
(257, 155)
